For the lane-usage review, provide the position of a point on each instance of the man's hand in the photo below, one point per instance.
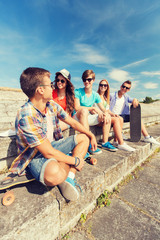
(135, 103)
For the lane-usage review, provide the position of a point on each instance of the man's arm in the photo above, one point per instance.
(49, 152)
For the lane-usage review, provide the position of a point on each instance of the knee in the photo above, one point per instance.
(54, 174)
(83, 112)
(83, 138)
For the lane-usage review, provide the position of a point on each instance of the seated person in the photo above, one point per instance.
(116, 120)
(88, 115)
(63, 94)
(37, 128)
(119, 104)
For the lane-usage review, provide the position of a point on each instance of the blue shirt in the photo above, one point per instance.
(127, 99)
(87, 101)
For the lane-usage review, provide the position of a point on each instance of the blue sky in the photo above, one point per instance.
(118, 40)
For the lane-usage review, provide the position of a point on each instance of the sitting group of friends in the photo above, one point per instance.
(55, 106)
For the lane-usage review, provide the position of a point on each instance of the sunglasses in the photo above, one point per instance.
(103, 85)
(88, 79)
(49, 85)
(125, 87)
(59, 80)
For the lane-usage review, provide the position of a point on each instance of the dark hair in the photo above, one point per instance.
(107, 92)
(31, 78)
(87, 73)
(128, 82)
(69, 94)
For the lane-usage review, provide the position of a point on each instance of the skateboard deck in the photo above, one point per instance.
(12, 180)
(135, 123)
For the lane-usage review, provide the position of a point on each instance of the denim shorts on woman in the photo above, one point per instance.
(38, 164)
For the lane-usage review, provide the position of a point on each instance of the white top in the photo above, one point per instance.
(118, 107)
(49, 127)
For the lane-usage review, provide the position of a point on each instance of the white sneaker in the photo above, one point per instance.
(8, 133)
(151, 140)
(126, 147)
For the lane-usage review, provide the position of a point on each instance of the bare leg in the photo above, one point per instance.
(117, 129)
(55, 173)
(105, 129)
(82, 115)
(144, 131)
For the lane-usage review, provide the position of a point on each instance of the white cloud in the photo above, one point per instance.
(151, 85)
(151, 74)
(88, 54)
(119, 75)
(135, 63)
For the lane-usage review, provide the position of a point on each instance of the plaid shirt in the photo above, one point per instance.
(31, 131)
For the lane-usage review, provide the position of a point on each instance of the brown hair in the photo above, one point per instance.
(107, 92)
(69, 94)
(31, 78)
(87, 73)
(128, 82)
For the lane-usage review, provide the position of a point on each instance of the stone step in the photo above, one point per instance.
(41, 213)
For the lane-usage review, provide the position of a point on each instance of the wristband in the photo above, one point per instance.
(77, 161)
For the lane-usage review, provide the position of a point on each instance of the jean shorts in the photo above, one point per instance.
(38, 164)
(92, 119)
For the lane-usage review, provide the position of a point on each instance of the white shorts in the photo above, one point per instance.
(92, 119)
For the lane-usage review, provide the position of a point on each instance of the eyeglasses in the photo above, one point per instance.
(125, 87)
(59, 80)
(87, 79)
(49, 85)
(103, 85)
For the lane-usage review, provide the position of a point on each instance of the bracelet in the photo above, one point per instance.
(77, 161)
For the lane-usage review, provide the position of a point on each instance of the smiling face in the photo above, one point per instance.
(103, 85)
(88, 81)
(125, 87)
(61, 82)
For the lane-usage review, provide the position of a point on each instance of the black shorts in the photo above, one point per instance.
(125, 117)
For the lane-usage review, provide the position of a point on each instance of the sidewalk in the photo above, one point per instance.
(134, 213)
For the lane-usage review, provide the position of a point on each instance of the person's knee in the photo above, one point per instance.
(83, 138)
(83, 112)
(54, 174)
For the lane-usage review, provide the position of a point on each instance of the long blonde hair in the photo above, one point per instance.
(107, 92)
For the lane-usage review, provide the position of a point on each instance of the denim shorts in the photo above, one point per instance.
(38, 164)
(126, 118)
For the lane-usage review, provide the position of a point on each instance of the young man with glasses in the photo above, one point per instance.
(119, 104)
(88, 115)
(39, 134)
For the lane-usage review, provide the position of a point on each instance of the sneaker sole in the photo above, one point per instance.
(68, 191)
(96, 153)
(111, 150)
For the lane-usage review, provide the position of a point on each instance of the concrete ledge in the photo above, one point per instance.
(41, 213)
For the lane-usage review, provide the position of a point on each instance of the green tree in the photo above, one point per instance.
(148, 100)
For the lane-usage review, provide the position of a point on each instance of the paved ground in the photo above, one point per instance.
(133, 214)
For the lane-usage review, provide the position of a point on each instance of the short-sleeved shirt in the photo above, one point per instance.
(61, 102)
(87, 101)
(31, 130)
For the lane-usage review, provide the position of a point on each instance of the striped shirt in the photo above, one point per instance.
(31, 131)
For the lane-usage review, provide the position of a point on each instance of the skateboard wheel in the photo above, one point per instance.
(8, 198)
(93, 161)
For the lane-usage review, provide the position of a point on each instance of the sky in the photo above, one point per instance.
(119, 40)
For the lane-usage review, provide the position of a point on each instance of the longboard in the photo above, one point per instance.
(135, 123)
(12, 180)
